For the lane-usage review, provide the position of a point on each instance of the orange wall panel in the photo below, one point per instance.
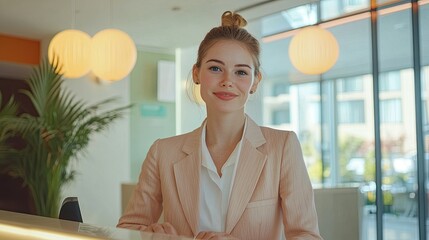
(19, 50)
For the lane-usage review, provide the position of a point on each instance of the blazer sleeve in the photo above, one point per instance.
(145, 206)
(296, 193)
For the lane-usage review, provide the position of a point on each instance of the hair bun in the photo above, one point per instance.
(230, 19)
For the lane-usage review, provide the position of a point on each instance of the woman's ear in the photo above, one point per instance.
(195, 74)
(258, 78)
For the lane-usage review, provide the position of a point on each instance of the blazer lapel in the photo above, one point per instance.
(187, 175)
(249, 169)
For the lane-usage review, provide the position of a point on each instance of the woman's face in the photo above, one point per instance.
(226, 76)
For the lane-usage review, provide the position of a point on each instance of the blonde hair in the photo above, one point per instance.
(232, 28)
(233, 20)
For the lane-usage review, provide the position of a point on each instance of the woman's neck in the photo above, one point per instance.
(222, 136)
(225, 129)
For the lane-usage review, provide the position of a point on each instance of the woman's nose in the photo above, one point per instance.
(226, 82)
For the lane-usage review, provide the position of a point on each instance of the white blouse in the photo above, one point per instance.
(215, 190)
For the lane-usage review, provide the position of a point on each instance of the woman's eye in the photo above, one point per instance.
(241, 73)
(215, 69)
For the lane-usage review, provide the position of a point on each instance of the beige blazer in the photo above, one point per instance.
(271, 187)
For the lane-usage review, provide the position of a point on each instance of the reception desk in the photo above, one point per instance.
(18, 226)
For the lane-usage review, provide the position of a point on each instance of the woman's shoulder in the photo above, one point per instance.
(273, 132)
(259, 134)
(278, 138)
(175, 137)
(179, 139)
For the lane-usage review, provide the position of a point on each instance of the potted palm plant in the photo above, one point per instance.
(53, 137)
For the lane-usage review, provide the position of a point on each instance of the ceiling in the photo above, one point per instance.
(151, 23)
(167, 24)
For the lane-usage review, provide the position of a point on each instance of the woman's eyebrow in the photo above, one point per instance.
(215, 60)
(220, 62)
(243, 65)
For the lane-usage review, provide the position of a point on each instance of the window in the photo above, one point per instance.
(351, 111)
(340, 148)
(425, 98)
(335, 8)
(391, 111)
(354, 84)
(281, 116)
(279, 89)
(390, 81)
(301, 16)
(353, 5)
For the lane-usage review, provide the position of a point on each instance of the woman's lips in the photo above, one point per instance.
(225, 95)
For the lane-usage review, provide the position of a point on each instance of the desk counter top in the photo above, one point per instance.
(18, 226)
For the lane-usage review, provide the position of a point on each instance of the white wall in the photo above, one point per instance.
(106, 162)
(188, 113)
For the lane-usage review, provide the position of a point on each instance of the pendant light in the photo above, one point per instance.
(313, 50)
(71, 49)
(114, 54)
(111, 54)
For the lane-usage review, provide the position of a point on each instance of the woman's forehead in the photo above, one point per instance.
(229, 51)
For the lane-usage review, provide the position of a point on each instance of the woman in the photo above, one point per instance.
(228, 178)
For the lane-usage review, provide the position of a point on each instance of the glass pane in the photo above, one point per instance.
(297, 108)
(353, 135)
(351, 111)
(297, 17)
(347, 108)
(344, 103)
(424, 51)
(351, 84)
(335, 8)
(389, 81)
(397, 124)
(353, 147)
(385, 2)
(391, 110)
(308, 127)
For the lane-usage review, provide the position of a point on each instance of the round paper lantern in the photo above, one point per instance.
(313, 50)
(113, 54)
(72, 49)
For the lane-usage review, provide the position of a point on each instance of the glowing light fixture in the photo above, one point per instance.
(72, 49)
(114, 54)
(313, 50)
(111, 54)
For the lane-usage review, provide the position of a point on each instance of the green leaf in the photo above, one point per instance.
(53, 138)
